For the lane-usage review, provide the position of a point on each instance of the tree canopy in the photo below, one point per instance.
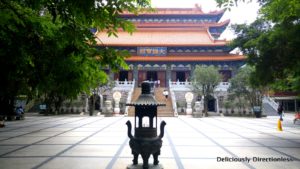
(272, 43)
(204, 81)
(242, 89)
(48, 48)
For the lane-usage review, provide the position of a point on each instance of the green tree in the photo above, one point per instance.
(242, 88)
(48, 48)
(272, 43)
(204, 81)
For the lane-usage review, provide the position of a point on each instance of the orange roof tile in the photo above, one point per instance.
(183, 25)
(187, 58)
(175, 11)
(179, 37)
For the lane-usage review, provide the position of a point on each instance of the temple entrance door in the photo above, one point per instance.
(142, 76)
(123, 75)
(97, 102)
(161, 76)
(180, 76)
(152, 76)
(211, 104)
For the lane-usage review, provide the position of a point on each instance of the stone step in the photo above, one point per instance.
(163, 111)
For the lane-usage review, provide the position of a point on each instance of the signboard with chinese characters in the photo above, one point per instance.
(152, 51)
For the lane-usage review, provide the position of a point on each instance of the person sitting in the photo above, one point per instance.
(19, 112)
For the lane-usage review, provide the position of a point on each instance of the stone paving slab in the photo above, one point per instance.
(83, 142)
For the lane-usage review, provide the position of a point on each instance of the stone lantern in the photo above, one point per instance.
(145, 141)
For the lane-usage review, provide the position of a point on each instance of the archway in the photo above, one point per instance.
(211, 105)
(97, 102)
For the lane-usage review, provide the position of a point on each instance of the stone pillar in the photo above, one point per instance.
(86, 107)
(168, 74)
(217, 104)
(101, 102)
(135, 74)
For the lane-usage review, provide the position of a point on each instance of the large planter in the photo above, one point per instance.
(257, 111)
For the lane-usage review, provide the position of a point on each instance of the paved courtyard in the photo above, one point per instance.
(83, 142)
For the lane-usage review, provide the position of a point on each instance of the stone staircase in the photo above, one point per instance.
(163, 111)
(269, 110)
(136, 93)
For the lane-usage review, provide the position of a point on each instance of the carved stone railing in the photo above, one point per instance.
(174, 105)
(222, 87)
(128, 87)
(180, 86)
(124, 83)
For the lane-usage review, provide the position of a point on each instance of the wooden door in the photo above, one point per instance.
(173, 76)
(161, 76)
(142, 76)
(130, 75)
(187, 75)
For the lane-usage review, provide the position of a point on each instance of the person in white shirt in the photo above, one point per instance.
(166, 93)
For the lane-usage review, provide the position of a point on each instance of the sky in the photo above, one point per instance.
(244, 13)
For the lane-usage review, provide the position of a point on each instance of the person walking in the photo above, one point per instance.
(166, 94)
(280, 111)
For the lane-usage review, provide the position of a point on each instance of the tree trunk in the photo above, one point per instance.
(7, 105)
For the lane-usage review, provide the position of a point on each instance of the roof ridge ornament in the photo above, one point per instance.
(198, 7)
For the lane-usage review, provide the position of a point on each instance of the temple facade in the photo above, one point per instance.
(170, 42)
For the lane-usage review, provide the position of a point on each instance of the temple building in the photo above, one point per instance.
(165, 48)
(170, 42)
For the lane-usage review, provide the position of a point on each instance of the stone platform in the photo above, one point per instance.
(140, 166)
(83, 142)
